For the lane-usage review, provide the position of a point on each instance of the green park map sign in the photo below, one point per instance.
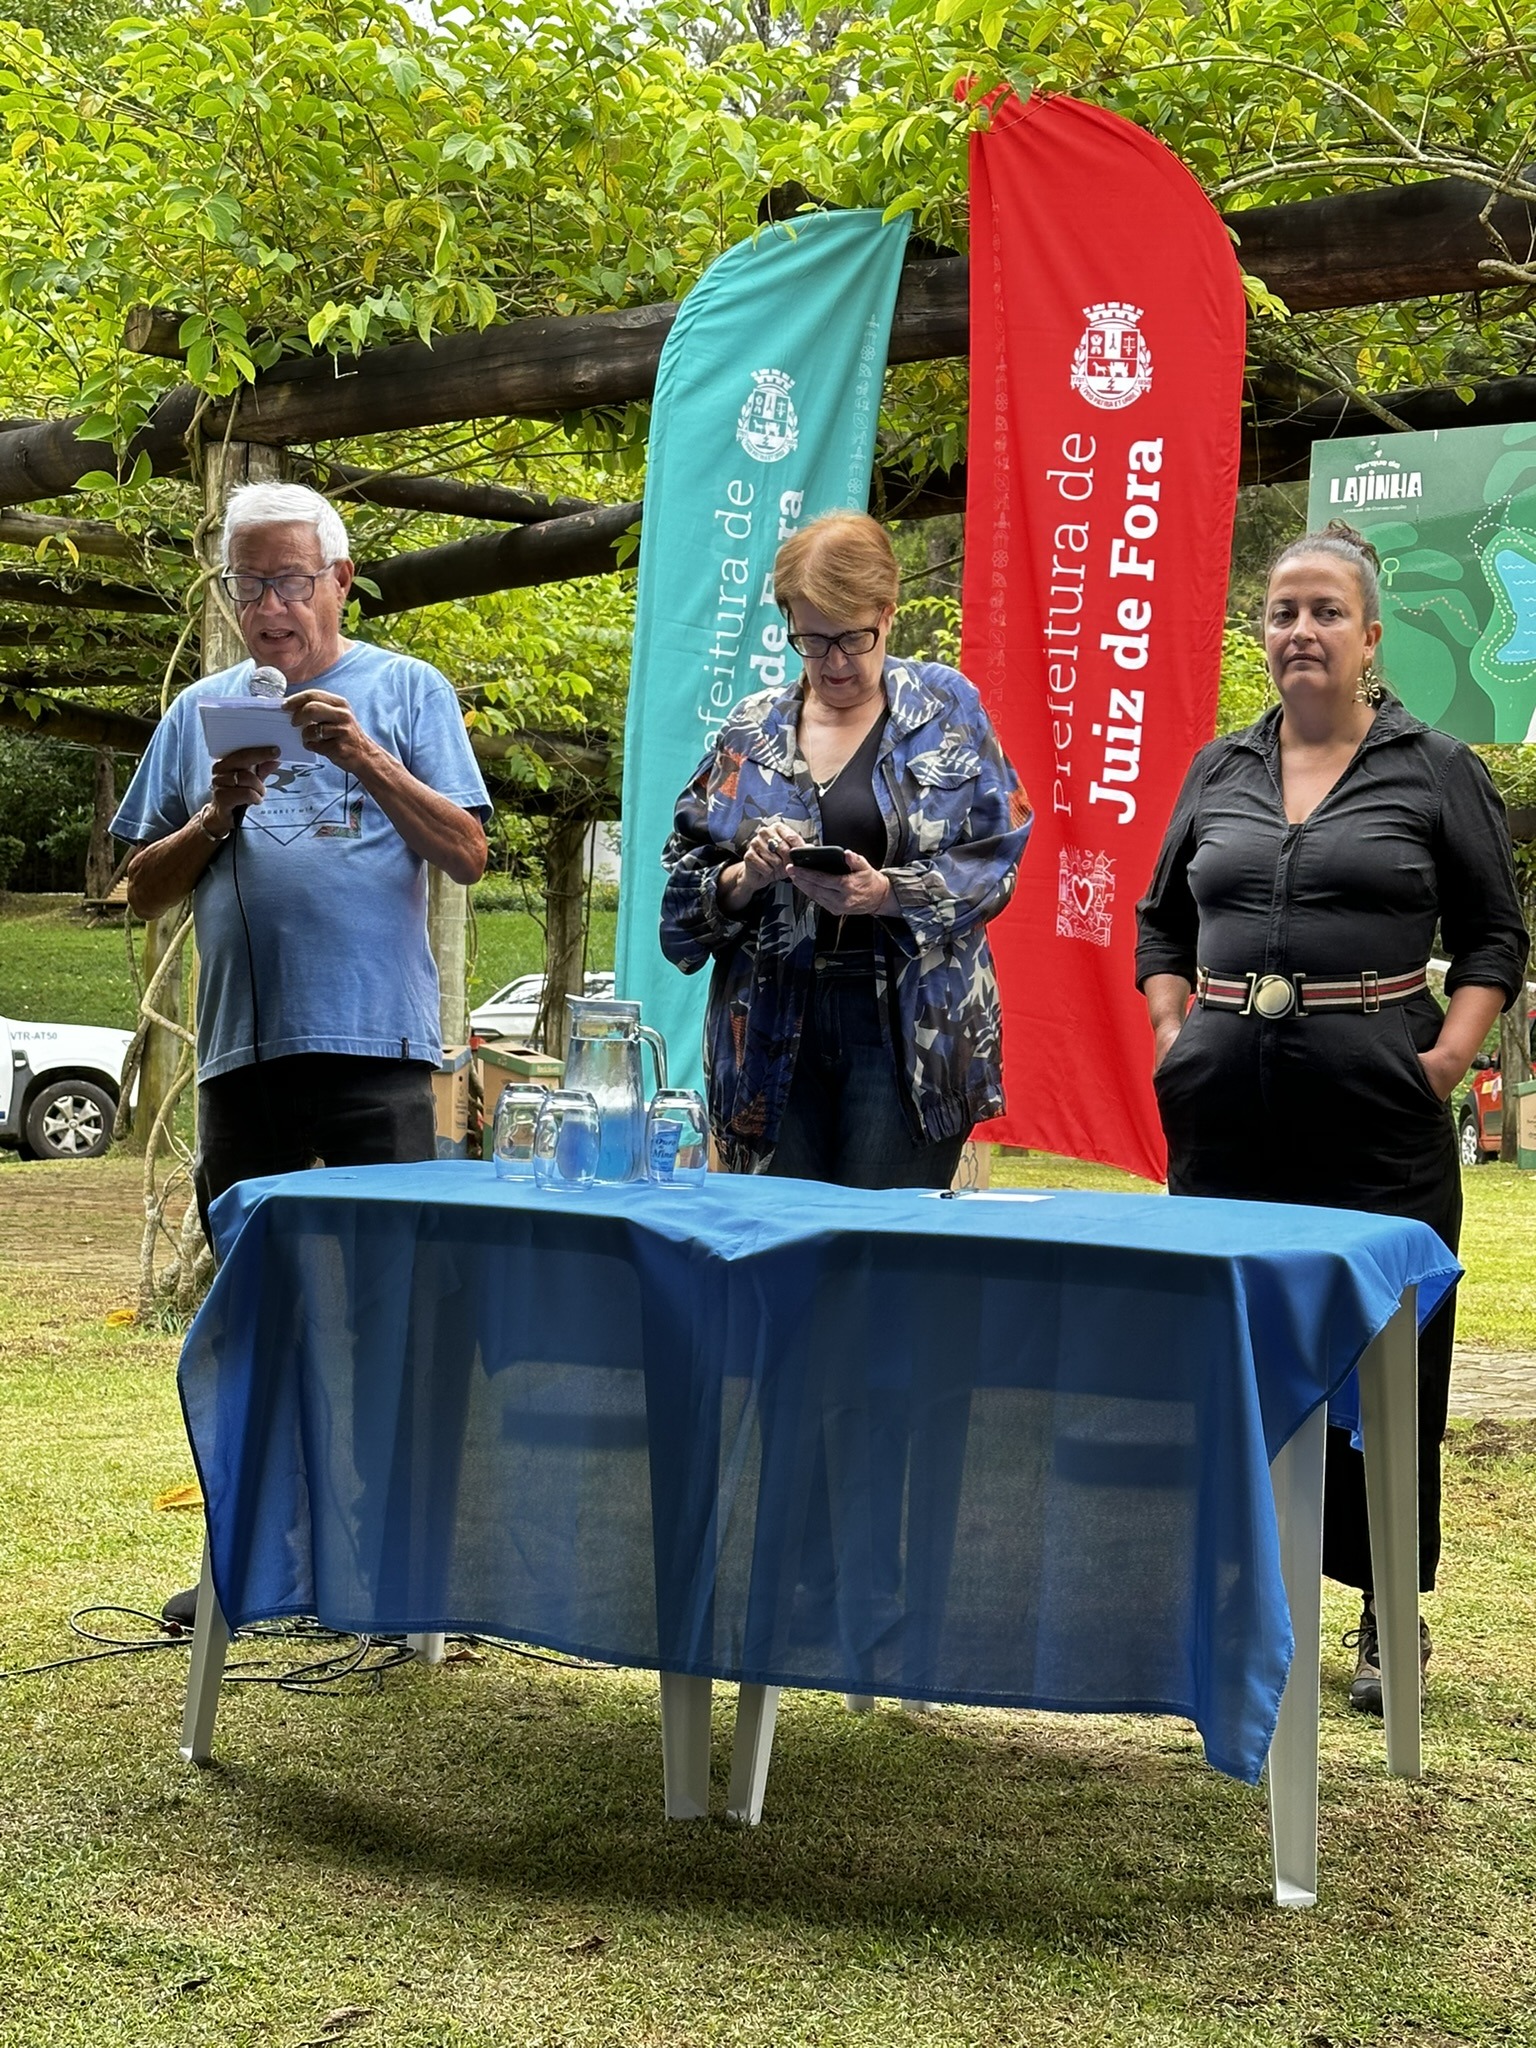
(1453, 517)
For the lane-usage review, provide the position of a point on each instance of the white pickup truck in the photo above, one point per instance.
(59, 1086)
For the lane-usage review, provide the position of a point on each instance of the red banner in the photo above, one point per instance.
(1107, 335)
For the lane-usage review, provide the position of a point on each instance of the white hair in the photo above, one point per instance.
(286, 505)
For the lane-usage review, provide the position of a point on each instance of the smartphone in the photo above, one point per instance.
(821, 860)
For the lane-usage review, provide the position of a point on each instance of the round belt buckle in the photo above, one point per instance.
(1273, 996)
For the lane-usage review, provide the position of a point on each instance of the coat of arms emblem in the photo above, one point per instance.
(1112, 364)
(1085, 896)
(768, 426)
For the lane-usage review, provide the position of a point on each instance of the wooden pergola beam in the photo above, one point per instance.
(1279, 450)
(1275, 450)
(55, 720)
(154, 331)
(553, 551)
(88, 536)
(1374, 248)
(24, 586)
(1353, 249)
(585, 543)
(406, 491)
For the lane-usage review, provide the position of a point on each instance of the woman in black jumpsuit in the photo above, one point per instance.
(1306, 868)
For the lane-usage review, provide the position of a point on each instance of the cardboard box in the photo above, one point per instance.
(495, 1066)
(1525, 1126)
(450, 1101)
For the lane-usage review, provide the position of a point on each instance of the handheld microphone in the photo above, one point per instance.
(266, 684)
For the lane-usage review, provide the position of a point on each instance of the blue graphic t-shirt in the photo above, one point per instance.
(334, 900)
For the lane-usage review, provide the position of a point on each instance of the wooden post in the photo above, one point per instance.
(565, 902)
(1514, 1067)
(98, 854)
(225, 465)
(447, 919)
(162, 1048)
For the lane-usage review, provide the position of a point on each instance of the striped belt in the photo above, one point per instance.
(1279, 995)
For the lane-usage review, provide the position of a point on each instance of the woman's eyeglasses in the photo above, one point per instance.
(816, 646)
(294, 589)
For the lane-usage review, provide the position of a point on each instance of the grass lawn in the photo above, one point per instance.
(56, 969)
(510, 942)
(475, 1855)
(1497, 1304)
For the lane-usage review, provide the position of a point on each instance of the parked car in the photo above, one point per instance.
(1480, 1120)
(512, 1011)
(59, 1085)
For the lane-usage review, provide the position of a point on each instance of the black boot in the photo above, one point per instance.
(1365, 1687)
(180, 1611)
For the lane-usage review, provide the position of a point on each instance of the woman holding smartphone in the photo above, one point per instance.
(837, 857)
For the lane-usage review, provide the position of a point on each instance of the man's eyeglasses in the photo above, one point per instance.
(292, 589)
(816, 646)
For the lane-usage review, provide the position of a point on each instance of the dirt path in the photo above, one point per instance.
(81, 1216)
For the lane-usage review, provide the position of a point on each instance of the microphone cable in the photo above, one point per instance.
(245, 926)
(268, 685)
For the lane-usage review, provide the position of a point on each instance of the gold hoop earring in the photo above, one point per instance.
(1370, 689)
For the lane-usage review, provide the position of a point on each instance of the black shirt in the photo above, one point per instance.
(1412, 835)
(850, 817)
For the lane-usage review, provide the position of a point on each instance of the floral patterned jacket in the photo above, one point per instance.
(956, 820)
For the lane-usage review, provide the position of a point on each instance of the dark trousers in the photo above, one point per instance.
(310, 1109)
(1429, 1191)
(845, 1121)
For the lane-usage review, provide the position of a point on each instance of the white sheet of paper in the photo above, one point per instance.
(230, 723)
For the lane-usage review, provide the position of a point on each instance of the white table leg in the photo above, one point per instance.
(859, 1702)
(428, 1649)
(1389, 1429)
(1297, 1478)
(210, 1644)
(757, 1709)
(685, 1745)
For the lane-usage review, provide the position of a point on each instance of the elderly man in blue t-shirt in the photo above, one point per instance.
(317, 1029)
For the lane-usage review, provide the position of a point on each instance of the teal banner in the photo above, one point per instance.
(1453, 517)
(767, 397)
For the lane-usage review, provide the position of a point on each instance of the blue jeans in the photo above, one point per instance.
(845, 1120)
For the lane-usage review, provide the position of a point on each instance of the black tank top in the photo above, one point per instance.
(851, 817)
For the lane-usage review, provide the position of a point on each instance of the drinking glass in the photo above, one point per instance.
(517, 1116)
(677, 1138)
(565, 1140)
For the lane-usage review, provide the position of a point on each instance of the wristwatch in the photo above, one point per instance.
(207, 831)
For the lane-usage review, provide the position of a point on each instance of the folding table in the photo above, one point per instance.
(1058, 1451)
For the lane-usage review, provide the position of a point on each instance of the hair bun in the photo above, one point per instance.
(1340, 529)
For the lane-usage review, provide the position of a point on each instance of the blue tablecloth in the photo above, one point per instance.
(992, 1449)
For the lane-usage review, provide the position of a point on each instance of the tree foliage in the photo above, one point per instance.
(299, 177)
(295, 177)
